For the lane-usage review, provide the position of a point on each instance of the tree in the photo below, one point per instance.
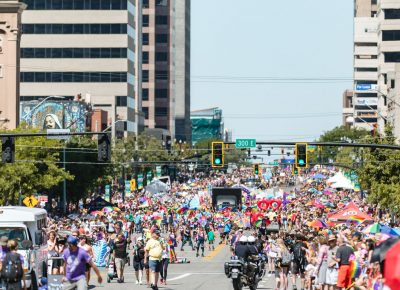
(380, 173)
(36, 169)
(337, 134)
(81, 162)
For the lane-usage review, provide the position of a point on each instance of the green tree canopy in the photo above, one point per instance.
(36, 168)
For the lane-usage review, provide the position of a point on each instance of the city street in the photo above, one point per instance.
(202, 273)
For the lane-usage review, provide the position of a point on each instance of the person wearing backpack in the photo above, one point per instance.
(299, 261)
(284, 259)
(11, 271)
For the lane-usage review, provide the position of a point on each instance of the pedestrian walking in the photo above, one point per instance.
(154, 250)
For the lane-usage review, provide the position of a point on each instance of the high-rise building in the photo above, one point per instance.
(365, 98)
(348, 108)
(207, 124)
(10, 32)
(166, 66)
(72, 47)
(389, 58)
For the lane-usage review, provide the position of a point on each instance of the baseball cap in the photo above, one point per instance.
(72, 240)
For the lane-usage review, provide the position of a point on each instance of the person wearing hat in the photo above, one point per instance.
(76, 259)
(332, 271)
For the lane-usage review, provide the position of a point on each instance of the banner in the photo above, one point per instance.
(140, 181)
(107, 195)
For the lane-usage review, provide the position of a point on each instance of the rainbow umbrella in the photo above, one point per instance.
(318, 224)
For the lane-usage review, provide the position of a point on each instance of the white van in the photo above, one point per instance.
(26, 225)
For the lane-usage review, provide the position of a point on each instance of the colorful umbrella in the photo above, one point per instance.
(318, 224)
(380, 228)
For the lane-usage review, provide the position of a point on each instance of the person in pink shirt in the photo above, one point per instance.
(322, 263)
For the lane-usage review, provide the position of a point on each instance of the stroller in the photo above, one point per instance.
(111, 269)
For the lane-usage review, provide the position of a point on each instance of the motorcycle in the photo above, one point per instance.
(243, 273)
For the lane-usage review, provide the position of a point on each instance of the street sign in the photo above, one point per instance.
(30, 201)
(107, 193)
(140, 181)
(158, 171)
(58, 131)
(246, 143)
(275, 163)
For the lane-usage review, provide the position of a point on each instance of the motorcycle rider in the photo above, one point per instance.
(241, 249)
(251, 244)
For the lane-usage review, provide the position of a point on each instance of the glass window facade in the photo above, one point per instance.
(161, 112)
(390, 35)
(161, 20)
(77, 4)
(161, 75)
(122, 101)
(116, 28)
(145, 94)
(161, 93)
(75, 77)
(104, 52)
(392, 56)
(161, 38)
(161, 56)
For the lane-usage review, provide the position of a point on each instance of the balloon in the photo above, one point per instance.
(275, 204)
(264, 204)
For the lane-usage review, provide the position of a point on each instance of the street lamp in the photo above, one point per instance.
(41, 102)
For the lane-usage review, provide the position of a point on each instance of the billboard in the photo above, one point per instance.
(366, 101)
(366, 87)
(54, 115)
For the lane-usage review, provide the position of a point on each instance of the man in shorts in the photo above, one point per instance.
(138, 260)
(154, 250)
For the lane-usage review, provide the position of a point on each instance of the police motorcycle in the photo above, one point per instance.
(244, 273)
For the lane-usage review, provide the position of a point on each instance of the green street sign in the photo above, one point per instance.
(158, 171)
(273, 163)
(246, 143)
(107, 193)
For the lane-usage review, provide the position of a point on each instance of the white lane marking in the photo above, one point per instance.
(180, 277)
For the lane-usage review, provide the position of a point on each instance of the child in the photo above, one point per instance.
(311, 274)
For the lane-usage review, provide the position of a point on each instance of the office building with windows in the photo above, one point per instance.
(166, 66)
(389, 62)
(86, 47)
(10, 32)
(365, 96)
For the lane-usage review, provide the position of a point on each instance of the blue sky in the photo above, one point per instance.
(270, 43)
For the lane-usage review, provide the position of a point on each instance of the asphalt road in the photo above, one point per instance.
(200, 274)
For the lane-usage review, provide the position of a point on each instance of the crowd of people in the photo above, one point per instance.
(292, 229)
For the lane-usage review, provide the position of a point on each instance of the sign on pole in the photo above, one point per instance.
(158, 171)
(127, 188)
(140, 181)
(30, 201)
(107, 193)
(246, 143)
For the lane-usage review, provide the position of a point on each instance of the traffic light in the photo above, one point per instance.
(295, 170)
(217, 155)
(8, 149)
(168, 143)
(269, 152)
(104, 148)
(301, 155)
(256, 169)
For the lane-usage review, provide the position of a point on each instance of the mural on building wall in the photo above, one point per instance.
(55, 115)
